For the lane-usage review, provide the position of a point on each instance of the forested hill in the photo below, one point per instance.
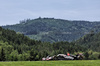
(54, 30)
(17, 47)
(91, 41)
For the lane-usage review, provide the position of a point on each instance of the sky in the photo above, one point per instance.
(13, 11)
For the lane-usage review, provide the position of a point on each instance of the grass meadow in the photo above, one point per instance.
(52, 63)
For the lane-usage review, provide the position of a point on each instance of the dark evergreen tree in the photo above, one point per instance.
(2, 55)
(86, 54)
(99, 57)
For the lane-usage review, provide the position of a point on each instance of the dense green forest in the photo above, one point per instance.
(49, 37)
(54, 30)
(17, 47)
(91, 41)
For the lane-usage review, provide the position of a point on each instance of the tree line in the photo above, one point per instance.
(17, 47)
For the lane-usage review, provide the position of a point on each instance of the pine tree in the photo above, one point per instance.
(99, 57)
(2, 57)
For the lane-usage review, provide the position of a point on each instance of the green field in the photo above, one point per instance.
(53, 63)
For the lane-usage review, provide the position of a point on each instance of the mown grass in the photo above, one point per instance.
(53, 63)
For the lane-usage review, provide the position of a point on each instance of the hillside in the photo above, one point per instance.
(54, 30)
(91, 41)
(17, 47)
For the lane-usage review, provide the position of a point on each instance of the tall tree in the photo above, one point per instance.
(2, 56)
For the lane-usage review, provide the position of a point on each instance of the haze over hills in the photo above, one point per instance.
(54, 30)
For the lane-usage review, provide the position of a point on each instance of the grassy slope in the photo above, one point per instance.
(53, 63)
